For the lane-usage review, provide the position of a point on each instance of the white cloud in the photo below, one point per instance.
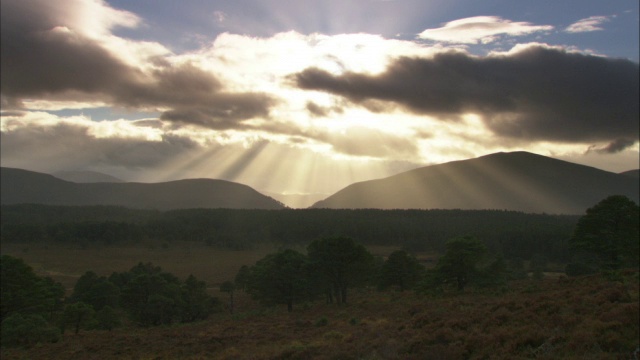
(480, 29)
(592, 23)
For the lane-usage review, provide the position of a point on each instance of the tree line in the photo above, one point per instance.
(34, 309)
(514, 234)
(605, 239)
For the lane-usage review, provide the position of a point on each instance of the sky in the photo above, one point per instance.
(309, 96)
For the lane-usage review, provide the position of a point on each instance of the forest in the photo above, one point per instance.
(512, 234)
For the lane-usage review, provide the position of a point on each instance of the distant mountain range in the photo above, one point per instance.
(21, 186)
(518, 181)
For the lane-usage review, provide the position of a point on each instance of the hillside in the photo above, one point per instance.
(86, 177)
(633, 173)
(22, 186)
(518, 181)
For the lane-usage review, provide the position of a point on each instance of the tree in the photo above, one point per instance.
(79, 315)
(27, 330)
(107, 318)
(22, 291)
(400, 270)
(96, 291)
(196, 302)
(153, 297)
(242, 278)
(340, 264)
(280, 279)
(610, 230)
(228, 287)
(460, 260)
(151, 300)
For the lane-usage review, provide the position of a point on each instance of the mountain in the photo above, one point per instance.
(86, 177)
(633, 173)
(21, 186)
(518, 181)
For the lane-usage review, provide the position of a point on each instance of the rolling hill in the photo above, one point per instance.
(21, 186)
(633, 173)
(518, 181)
(86, 177)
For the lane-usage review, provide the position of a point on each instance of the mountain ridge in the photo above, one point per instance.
(519, 181)
(86, 177)
(24, 186)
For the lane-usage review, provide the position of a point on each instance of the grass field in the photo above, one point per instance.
(66, 263)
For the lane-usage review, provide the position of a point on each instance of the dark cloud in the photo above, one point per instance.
(317, 110)
(38, 59)
(323, 111)
(44, 56)
(71, 146)
(537, 93)
(613, 147)
(223, 111)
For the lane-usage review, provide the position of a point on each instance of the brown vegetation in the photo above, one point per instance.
(569, 318)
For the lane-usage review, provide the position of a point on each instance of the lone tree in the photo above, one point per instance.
(610, 230)
(279, 279)
(459, 262)
(229, 287)
(400, 270)
(340, 264)
(242, 278)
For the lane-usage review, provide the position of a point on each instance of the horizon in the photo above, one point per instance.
(295, 200)
(309, 97)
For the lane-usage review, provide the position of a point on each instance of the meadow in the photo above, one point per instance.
(65, 263)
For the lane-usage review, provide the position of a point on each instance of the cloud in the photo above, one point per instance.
(480, 29)
(56, 53)
(45, 142)
(591, 23)
(614, 147)
(532, 93)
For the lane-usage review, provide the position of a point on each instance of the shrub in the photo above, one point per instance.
(28, 330)
(107, 318)
(322, 322)
(579, 269)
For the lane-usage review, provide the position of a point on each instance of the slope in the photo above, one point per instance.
(21, 186)
(86, 177)
(519, 181)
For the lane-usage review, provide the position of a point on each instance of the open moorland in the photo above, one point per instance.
(466, 297)
(571, 318)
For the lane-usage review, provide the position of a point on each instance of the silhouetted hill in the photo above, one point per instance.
(86, 177)
(517, 181)
(22, 186)
(633, 173)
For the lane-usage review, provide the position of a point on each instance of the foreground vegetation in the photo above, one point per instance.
(471, 303)
(570, 318)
